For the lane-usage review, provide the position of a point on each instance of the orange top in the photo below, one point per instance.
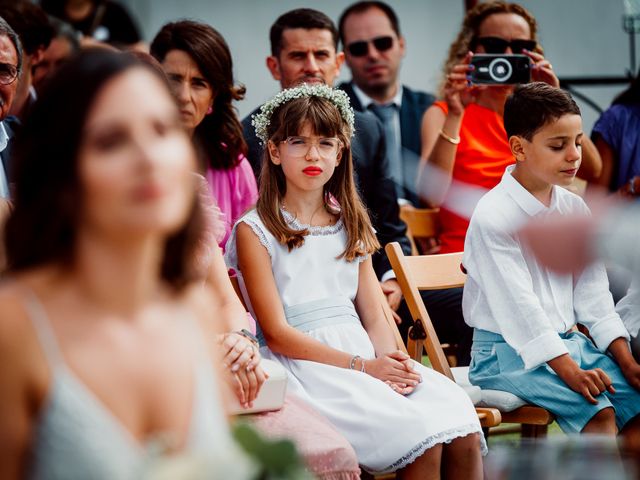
(481, 158)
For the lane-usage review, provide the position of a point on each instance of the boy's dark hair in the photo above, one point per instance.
(306, 18)
(532, 105)
(361, 7)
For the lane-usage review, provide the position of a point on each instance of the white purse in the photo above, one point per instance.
(271, 395)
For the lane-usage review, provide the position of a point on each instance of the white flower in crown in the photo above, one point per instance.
(339, 98)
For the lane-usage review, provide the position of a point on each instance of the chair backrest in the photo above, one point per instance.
(386, 309)
(421, 223)
(426, 272)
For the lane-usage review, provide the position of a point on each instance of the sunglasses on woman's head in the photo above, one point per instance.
(361, 47)
(498, 45)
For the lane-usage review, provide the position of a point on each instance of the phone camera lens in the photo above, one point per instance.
(500, 70)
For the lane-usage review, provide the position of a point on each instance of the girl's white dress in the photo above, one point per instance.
(387, 430)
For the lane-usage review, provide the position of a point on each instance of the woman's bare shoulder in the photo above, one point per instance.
(204, 306)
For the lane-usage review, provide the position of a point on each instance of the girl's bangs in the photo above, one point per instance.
(323, 117)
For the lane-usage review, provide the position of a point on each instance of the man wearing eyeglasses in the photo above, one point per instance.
(373, 49)
(32, 25)
(10, 65)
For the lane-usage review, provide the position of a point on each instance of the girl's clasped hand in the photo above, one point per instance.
(396, 370)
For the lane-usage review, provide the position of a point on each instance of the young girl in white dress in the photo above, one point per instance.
(304, 260)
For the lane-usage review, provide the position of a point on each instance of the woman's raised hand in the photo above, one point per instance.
(457, 91)
(541, 69)
(396, 370)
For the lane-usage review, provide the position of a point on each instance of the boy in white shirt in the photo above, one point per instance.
(523, 313)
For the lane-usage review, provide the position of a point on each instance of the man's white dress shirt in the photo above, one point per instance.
(4, 184)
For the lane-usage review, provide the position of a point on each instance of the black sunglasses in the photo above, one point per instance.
(8, 73)
(499, 45)
(361, 48)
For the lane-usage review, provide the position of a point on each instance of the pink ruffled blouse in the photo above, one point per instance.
(235, 191)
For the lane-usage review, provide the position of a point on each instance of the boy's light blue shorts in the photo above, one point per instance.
(497, 366)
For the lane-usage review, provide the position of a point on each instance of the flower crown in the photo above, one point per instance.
(339, 98)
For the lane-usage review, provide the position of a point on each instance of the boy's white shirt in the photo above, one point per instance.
(510, 293)
(629, 308)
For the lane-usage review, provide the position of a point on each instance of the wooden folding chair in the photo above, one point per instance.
(435, 272)
(489, 417)
(423, 225)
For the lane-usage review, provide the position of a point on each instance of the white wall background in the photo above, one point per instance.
(580, 37)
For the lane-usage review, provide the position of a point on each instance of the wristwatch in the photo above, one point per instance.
(247, 334)
(632, 186)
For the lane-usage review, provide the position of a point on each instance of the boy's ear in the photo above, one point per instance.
(274, 153)
(517, 148)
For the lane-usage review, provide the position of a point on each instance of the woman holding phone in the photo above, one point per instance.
(463, 137)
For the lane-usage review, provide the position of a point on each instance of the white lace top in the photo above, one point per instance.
(321, 248)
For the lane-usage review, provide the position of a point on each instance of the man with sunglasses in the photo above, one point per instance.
(374, 48)
(10, 65)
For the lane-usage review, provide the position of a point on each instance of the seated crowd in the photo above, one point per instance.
(132, 199)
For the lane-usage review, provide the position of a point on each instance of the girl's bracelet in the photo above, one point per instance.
(352, 363)
(451, 140)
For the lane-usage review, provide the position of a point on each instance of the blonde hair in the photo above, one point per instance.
(324, 119)
(471, 26)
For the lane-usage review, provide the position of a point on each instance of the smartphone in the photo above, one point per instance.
(500, 69)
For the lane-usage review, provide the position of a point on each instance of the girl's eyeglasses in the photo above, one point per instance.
(497, 45)
(300, 146)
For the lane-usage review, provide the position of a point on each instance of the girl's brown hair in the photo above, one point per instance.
(324, 119)
(465, 41)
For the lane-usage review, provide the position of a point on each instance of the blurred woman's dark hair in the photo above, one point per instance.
(220, 133)
(47, 195)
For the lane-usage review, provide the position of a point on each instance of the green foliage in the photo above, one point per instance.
(277, 459)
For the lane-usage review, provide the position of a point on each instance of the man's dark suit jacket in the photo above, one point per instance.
(413, 106)
(372, 178)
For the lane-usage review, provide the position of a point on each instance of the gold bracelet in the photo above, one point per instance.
(451, 140)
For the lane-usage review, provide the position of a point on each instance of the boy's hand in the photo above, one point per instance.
(632, 373)
(588, 383)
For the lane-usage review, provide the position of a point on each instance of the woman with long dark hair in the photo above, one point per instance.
(102, 318)
(198, 63)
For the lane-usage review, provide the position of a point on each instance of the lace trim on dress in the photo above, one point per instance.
(443, 437)
(260, 234)
(313, 230)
